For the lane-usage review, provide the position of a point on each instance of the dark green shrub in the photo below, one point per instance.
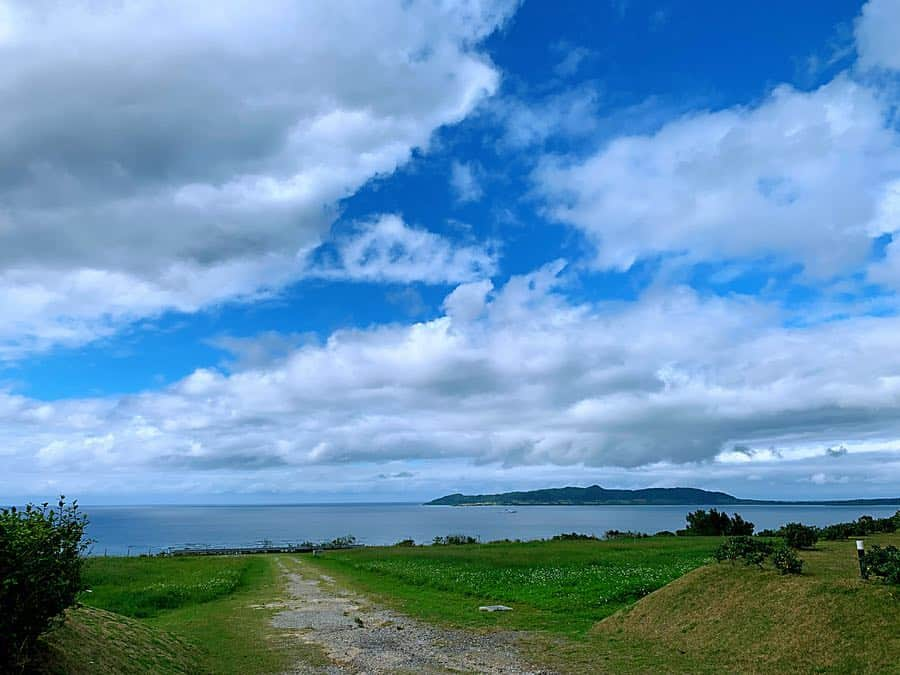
(786, 560)
(884, 563)
(740, 527)
(574, 536)
(626, 534)
(455, 540)
(798, 535)
(860, 527)
(41, 554)
(745, 548)
(714, 523)
(406, 543)
(664, 533)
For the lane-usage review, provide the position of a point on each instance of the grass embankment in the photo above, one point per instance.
(204, 614)
(557, 586)
(719, 618)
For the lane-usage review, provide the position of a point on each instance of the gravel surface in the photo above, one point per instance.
(359, 637)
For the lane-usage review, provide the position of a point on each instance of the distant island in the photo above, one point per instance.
(596, 496)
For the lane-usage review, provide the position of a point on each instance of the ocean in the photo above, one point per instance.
(134, 530)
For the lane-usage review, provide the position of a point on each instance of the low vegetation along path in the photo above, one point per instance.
(358, 637)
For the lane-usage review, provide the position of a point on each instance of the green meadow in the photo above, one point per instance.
(641, 605)
(204, 614)
(558, 586)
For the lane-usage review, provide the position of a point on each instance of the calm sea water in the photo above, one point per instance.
(120, 530)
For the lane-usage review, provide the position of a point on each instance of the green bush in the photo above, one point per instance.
(884, 563)
(573, 536)
(454, 540)
(714, 523)
(798, 535)
(41, 555)
(751, 551)
(862, 526)
(626, 534)
(406, 543)
(786, 560)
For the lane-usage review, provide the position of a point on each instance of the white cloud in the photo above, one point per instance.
(189, 156)
(465, 181)
(572, 114)
(799, 176)
(572, 58)
(387, 249)
(514, 377)
(468, 301)
(876, 35)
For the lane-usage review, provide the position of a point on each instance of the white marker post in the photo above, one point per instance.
(860, 553)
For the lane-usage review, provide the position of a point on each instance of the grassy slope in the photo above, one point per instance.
(214, 608)
(94, 641)
(734, 619)
(562, 587)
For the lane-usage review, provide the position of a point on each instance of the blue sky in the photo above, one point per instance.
(324, 252)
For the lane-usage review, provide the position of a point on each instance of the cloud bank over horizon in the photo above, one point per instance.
(632, 293)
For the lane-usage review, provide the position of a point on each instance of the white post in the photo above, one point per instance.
(860, 554)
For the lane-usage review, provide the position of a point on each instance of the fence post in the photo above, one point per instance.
(860, 554)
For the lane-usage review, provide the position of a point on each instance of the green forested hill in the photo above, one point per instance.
(598, 495)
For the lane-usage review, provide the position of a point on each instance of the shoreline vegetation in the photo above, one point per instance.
(595, 495)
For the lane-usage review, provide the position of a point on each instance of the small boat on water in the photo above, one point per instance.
(511, 511)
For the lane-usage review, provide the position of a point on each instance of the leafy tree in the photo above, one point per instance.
(798, 535)
(739, 526)
(714, 523)
(743, 547)
(41, 555)
(574, 536)
(883, 562)
(624, 534)
(861, 527)
(454, 540)
(786, 560)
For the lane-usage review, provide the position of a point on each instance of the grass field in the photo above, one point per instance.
(635, 606)
(718, 618)
(212, 608)
(558, 586)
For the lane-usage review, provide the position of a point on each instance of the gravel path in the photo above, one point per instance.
(360, 638)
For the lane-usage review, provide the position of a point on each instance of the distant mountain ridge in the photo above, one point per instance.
(596, 495)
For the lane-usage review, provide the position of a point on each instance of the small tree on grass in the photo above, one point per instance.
(41, 553)
(751, 551)
(798, 535)
(755, 551)
(786, 560)
(883, 562)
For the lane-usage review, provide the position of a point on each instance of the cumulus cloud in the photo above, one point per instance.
(518, 376)
(801, 176)
(387, 249)
(572, 113)
(465, 182)
(183, 157)
(876, 32)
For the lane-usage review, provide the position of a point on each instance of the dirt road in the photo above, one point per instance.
(358, 637)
